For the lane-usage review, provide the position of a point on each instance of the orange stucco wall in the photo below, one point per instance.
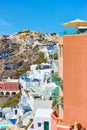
(75, 79)
(54, 120)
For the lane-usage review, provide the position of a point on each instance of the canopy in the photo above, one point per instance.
(75, 23)
(13, 120)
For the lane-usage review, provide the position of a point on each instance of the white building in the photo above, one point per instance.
(37, 76)
(42, 120)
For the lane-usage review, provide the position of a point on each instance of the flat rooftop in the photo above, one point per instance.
(43, 113)
(11, 80)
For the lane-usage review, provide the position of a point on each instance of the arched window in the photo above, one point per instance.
(1, 93)
(7, 93)
(13, 93)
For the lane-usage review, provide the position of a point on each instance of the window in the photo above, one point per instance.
(39, 124)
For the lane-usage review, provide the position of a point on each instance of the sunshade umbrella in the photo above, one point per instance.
(75, 23)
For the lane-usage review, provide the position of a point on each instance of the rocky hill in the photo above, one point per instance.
(13, 62)
(20, 50)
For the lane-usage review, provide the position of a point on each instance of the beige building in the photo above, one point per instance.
(60, 56)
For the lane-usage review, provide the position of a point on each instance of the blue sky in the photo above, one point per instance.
(39, 15)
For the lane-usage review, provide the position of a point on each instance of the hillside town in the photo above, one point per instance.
(29, 77)
(43, 78)
(20, 50)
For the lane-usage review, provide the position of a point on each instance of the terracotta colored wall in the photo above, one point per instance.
(12, 86)
(9, 86)
(75, 79)
(53, 122)
(2, 86)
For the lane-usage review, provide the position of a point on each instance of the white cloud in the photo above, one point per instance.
(4, 23)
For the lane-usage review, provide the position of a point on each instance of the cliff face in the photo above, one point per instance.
(14, 62)
(20, 50)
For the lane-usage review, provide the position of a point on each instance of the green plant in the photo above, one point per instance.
(41, 59)
(54, 56)
(12, 101)
(54, 103)
(57, 100)
(22, 70)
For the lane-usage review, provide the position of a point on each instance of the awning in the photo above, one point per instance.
(75, 23)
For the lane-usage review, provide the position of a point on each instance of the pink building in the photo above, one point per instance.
(9, 87)
(74, 85)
